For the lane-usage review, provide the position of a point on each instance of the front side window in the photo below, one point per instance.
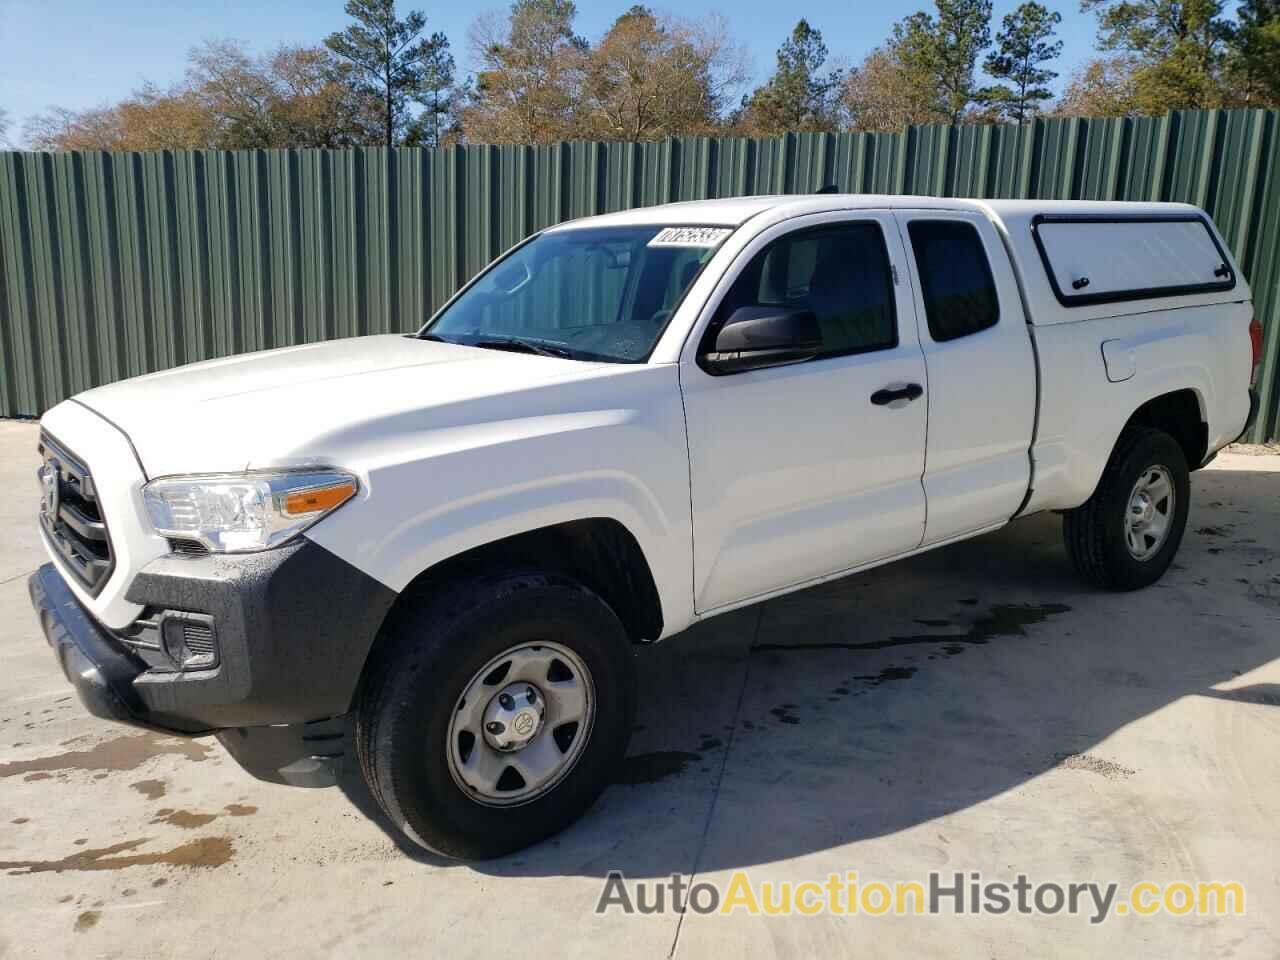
(593, 293)
(840, 272)
(955, 278)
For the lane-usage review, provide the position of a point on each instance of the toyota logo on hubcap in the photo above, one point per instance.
(523, 723)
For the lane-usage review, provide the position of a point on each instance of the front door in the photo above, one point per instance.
(807, 470)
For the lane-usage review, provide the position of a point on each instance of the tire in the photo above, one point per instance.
(1097, 533)
(433, 651)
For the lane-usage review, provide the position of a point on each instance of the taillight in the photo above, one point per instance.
(1255, 337)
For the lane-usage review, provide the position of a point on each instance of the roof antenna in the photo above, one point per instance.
(830, 188)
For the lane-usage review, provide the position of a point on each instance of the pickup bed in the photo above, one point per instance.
(441, 546)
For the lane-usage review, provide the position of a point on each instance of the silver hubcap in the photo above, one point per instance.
(1150, 513)
(521, 724)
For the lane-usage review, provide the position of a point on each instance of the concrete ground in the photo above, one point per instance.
(973, 709)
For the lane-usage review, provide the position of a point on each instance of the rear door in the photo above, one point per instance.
(796, 471)
(981, 370)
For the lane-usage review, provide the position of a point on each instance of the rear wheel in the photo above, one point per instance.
(1126, 534)
(495, 713)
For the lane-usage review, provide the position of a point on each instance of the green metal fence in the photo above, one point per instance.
(116, 264)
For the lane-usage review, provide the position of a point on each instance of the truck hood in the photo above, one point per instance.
(304, 404)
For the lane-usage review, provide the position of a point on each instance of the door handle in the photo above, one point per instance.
(887, 395)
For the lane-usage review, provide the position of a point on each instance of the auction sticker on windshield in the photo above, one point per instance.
(689, 236)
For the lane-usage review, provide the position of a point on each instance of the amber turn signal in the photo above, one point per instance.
(318, 499)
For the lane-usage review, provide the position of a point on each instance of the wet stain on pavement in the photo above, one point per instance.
(652, 767)
(120, 753)
(189, 820)
(783, 714)
(886, 675)
(185, 819)
(87, 920)
(205, 852)
(1005, 620)
(151, 789)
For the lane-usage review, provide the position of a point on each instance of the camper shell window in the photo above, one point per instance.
(1102, 259)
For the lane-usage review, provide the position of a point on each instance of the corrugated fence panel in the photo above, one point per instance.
(113, 265)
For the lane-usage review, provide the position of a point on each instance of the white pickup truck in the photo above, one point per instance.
(626, 424)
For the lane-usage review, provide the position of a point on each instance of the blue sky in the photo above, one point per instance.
(82, 53)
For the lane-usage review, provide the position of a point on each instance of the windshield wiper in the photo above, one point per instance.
(523, 346)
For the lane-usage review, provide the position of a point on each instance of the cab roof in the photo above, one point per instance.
(732, 212)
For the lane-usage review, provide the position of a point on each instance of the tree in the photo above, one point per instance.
(437, 95)
(942, 52)
(799, 96)
(235, 90)
(652, 77)
(149, 119)
(1103, 87)
(1253, 55)
(1023, 45)
(293, 97)
(532, 66)
(316, 103)
(1179, 45)
(883, 94)
(388, 54)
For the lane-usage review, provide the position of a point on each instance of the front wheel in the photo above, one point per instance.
(495, 712)
(1125, 536)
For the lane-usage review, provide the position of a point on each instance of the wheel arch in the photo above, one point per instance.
(1182, 415)
(599, 552)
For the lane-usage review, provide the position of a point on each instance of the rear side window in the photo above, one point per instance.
(840, 272)
(955, 278)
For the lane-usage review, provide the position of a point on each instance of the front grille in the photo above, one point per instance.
(71, 517)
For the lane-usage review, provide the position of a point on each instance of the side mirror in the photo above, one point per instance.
(757, 337)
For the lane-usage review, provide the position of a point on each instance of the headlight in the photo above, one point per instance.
(241, 513)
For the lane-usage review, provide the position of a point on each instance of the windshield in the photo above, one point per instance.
(594, 293)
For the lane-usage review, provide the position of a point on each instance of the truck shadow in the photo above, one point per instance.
(885, 700)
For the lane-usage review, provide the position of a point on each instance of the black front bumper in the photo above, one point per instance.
(293, 627)
(99, 669)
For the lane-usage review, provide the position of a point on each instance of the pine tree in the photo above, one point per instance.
(388, 54)
(1024, 44)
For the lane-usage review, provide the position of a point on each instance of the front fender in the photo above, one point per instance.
(436, 496)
